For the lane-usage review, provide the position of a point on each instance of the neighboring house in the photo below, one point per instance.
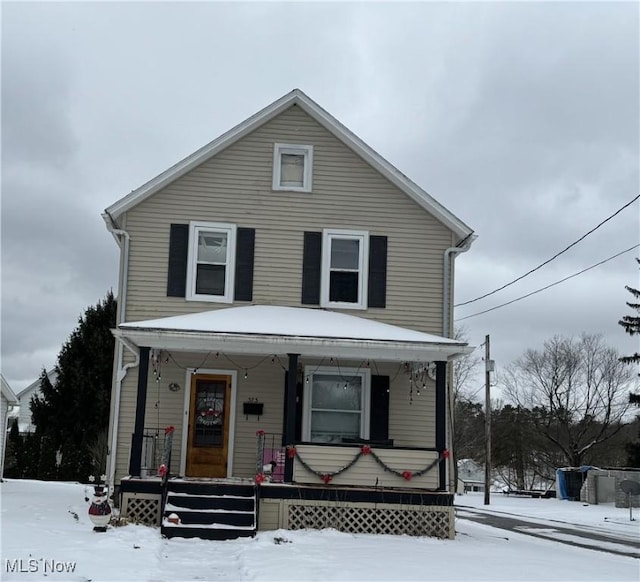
(7, 400)
(285, 294)
(25, 420)
(470, 476)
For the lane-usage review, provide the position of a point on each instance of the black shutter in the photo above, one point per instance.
(178, 253)
(245, 246)
(299, 395)
(377, 271)
(379, 411)
(311, 259)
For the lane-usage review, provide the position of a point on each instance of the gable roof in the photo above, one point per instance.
(7, 392)
(295, 97)
(52, 375)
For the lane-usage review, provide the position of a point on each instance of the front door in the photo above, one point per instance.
(207, 447)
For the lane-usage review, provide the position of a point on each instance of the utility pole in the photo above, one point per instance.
(488, 368)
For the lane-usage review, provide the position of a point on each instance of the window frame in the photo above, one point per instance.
(365, 398)
(195, 227)
(328, 235)
(293, 149)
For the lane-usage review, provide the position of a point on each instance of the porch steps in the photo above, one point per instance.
(210, 510)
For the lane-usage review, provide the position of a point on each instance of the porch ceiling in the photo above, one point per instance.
(266, 329)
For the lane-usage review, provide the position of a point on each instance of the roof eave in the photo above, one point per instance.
(254, 344)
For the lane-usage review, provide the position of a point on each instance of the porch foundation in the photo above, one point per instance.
(357, 511)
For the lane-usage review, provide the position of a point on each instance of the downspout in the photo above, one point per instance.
(449, 255)
(462, 247)
(121, 371)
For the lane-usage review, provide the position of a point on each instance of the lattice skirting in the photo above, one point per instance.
(434, 521)
(142, 507)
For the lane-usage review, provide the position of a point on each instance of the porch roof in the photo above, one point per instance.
(268, 329)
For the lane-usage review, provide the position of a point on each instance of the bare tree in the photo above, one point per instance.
(465, 384)
(467, 417)
(576, 390)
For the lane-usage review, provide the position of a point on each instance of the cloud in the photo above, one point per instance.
(521, 118)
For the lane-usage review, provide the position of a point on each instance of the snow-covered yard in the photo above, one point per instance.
(42, 536)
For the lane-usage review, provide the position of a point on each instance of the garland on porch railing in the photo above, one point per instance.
(364, 451)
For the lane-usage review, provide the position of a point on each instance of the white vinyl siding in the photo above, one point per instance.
(236, 187)
(366, 472)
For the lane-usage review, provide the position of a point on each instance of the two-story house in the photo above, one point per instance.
(8, 399)
(285, 306)
(25, 419)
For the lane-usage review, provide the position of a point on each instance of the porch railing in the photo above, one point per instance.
(153, 451)
(270, 456)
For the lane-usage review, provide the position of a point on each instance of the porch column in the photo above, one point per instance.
(290, 420)
(141, 406)
(441, 419)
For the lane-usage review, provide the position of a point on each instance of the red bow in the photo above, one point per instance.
(407, 475)
(327, 478)
(365, 449)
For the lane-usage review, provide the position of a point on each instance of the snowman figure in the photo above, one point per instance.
(100, 510)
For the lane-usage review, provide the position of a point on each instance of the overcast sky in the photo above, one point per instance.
(522, 119)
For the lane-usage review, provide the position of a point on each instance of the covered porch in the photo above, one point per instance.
(260, 371)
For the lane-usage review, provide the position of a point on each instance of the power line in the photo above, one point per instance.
(551, 285)
(552, 258)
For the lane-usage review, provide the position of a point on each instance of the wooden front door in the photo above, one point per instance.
(209, 409)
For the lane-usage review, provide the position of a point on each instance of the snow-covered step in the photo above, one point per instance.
(209, 510)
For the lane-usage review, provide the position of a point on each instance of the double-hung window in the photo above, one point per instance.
(210, 266)
(345, 257)
(292, 167)
(336, 404)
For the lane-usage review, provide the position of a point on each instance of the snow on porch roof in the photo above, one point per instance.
(264, 329)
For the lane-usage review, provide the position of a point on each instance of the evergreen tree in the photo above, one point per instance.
(13, 457)
(70, 415)
(631, 325)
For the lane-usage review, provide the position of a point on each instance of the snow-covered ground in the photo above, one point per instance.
(42, 536)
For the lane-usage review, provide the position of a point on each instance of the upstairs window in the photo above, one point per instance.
(292, 167)
(345, 256)
(210, 266)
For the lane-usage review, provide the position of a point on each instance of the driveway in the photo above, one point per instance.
(581, 536)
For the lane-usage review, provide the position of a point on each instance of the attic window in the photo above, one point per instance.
(292, 167)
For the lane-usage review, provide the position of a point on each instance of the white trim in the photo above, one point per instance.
(295, 149)
(330, 123)
(232, 415)
(230, 230)
(9, 394)
(365, 403)
(380, 350)
(328, 234)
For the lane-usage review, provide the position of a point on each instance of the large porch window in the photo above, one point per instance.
(336, 404)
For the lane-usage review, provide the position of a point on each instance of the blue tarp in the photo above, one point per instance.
(570, 480)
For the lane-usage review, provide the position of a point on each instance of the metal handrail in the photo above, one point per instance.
(270, 456)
